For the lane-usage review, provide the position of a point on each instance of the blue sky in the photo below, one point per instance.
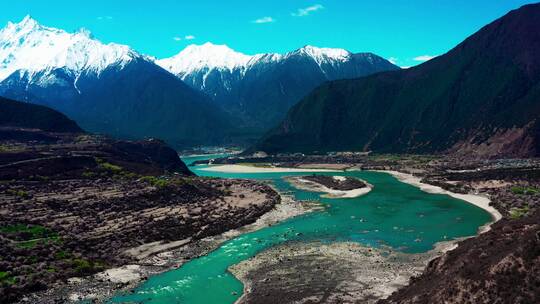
(398, 29)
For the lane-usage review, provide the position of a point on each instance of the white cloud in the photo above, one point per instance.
(393, 60)
(308, 10)
(423, 58)
(264, 20)
(104, 18)
(187, 37)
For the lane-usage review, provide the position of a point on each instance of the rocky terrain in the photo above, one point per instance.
(73, 204)
(331, 186)
(500, 266)
(336, 183)
(326, 273)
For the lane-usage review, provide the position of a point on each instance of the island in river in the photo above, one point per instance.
(332, 186)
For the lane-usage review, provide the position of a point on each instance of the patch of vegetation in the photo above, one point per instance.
(61, 255)
(83, 266)
(110, 167)
(34, 231)
(18, 193)
(6, 278)
(42, 178)
(27, 244)
(524, 190)
(28, 236)
(516, 213)
(43, 241)
(88, 174)
(129, 174)
(9, 148)
(156, 181)
(107, 168)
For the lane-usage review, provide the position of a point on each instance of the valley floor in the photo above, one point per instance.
(500, 265)
(127, 223)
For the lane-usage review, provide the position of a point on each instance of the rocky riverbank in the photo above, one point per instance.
(103, 285)
(499, 266)
(72, 205)
(328, 273)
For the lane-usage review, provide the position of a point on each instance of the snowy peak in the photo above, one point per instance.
(32, 48)
(27, 24)
(323, 54)
(207, 56)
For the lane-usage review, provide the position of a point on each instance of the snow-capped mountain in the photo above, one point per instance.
(107, 88)
(261, 88)
(110, 88)
(210, 56)
(33, 48)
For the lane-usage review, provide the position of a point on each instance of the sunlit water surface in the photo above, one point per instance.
(393, 214)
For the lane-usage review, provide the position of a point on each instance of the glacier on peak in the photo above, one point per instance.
(209, 56)
(30, 47)
(206, 56)
(195, 64)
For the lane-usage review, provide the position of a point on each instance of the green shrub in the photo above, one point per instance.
(524, 190)
(36, 231)
(82, 266)
(5, 277)
(19, 193)
(61, 255)
(88, 174)
(516, 213)
(42, 178)
(156, 181)
(110, 167)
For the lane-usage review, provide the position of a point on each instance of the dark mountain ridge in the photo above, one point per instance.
(33, 127)
(17, 114)
(482, 97)
(134, 101)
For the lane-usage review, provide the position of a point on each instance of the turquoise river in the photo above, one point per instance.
(393, 213)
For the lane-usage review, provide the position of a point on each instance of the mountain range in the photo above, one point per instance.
(259, 89)
(481, 98)
(106, 88)
(205, 95)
